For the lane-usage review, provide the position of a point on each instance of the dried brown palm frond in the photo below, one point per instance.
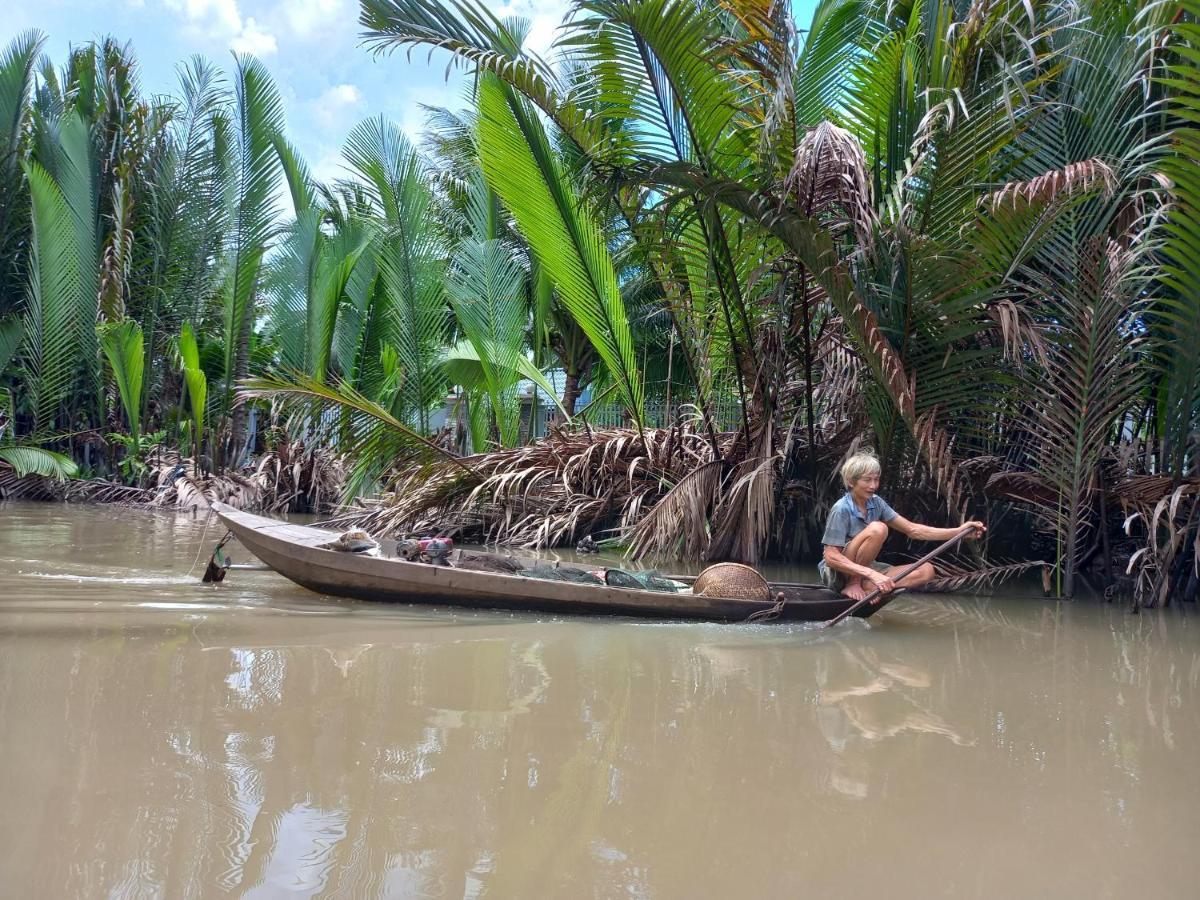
(838, 392)
(1093, 375)
(1146, 490)
(297, 476)
(555, 491)
(680, 518)
(1076, 178)
(1167, 513)
(95, 490)
(1024, 487)
(829, 180)
(28, 487)
(745, 512)
(178, 487)
(953, 578)
(1019, 333)
(982, 467)
(76, 490)
(666, 492)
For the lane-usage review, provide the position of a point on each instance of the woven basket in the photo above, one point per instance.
(733, 581)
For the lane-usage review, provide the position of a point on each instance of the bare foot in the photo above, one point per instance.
(854, 590)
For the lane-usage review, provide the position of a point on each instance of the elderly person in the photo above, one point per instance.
(857, 527)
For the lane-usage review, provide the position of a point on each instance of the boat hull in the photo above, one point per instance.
(294, 552)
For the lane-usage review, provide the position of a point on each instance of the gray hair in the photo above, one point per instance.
(860, 465)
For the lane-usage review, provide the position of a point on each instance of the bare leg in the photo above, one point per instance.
(864, 549)
(918, 579)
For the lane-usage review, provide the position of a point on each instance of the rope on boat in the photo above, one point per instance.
(200, 549)
(218, 563)
(771, 612)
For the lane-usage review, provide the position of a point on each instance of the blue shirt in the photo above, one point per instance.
(846, 520)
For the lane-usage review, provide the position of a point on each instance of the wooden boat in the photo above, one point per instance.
(295, 552)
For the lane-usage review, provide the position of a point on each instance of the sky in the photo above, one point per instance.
(313, 48)
(329, 81)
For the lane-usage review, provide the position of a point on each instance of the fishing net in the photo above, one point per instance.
(641, 581)
(561, 573)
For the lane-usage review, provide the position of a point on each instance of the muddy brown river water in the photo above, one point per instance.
(163, 738)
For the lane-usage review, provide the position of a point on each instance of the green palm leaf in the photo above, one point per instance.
(255, 169)
(337, 259)
(16, 81)
(16, 84)
(1179, 306)
(122, 344)
(665, 66)
(182, 214)
(37, 461)
(11, 332)
(472, 34)
(407, 308)
(57, 293)
(562, 231)
(196, 382)
(486, 290)
(366, 431)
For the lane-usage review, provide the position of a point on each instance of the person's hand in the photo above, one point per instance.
(977, 529)
(882, 582)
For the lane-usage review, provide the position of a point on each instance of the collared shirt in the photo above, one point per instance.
(846, 519)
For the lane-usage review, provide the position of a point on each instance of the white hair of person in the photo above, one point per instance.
(862, 464)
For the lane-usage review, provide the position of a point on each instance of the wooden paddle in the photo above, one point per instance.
(931, 555)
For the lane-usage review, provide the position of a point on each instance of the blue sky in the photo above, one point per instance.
(312, 47)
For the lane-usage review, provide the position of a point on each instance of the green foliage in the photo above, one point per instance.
(61, 354)
(38, 461)
(55, 298)
(404, 307)
(17, 64)
(1179, 306)
(196, 383)
(254, 170)
(561, 229)
(123, 346)
(486, 292)
(960, 233)
(11, 333)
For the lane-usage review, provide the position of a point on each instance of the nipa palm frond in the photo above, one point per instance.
(522, 168)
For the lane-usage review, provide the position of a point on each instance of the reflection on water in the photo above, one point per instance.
(167, 738)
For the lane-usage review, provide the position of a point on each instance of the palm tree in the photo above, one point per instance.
(16, 84)
(254, 169)
(862, 170)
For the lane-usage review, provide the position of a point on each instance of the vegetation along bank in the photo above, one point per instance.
(652, 285)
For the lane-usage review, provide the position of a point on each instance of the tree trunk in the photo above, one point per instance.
(571, 391)
(241, 368)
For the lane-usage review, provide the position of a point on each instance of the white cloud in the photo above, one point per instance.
(329, 167)
(221, 21)
(216, 16)
(544, 17)
(253, 40)
(310, 17)
(343, 95)
(336, 105)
